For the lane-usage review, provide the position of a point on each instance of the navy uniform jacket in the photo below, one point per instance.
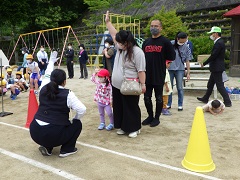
(69, 54)
(216, 60)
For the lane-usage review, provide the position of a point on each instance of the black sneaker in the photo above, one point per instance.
(65, 154)
(228, 104)
(45, 151)
(147, 121)
(155, 122)
(203, 100)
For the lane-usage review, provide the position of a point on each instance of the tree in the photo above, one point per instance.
(26, 16)
(23, 16)
(171, 23)
(13, 14)
(47, 14)
(97, 4)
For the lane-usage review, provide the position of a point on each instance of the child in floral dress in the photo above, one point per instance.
(103, 97)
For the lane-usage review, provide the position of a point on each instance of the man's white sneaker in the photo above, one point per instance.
(134, 134)
(120, 132)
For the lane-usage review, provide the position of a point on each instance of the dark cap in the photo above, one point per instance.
(24, 49)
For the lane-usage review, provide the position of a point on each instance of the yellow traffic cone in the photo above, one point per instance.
(198, 156)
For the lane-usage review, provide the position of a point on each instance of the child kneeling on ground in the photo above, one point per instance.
(20, 81)
(103, 97)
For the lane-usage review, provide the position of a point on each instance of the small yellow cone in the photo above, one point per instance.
(198, 156)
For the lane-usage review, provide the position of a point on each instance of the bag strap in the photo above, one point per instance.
(123, 65)
(180, 55)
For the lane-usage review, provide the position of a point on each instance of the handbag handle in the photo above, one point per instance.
(123, 65)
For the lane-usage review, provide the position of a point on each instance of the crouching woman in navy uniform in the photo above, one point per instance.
(51, 126)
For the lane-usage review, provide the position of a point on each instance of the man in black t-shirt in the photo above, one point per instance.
(157, 50)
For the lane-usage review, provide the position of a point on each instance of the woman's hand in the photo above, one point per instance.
(110, 27)
(143, 88)
(53, 56)
(107, 19)
(167, 89)
(104, 51)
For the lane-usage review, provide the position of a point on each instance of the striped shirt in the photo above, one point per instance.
(186, 55)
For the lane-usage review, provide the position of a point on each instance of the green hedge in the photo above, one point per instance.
(171, 23)
(201, 45)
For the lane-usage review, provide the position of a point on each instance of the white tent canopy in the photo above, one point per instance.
(3, 59)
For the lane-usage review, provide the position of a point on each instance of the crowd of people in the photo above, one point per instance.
(154, 67)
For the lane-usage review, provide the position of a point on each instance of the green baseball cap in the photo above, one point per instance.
(215, 29)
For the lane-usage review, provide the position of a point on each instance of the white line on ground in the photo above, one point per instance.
(135, 158)
(40, 165)
(150, 162)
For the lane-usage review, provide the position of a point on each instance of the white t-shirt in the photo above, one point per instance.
(21, 80)
(42, 55)
(33, 67)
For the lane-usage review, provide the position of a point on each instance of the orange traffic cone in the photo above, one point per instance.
(198, 156)
(32, 107)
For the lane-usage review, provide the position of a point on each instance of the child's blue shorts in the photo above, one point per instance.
(34, 76)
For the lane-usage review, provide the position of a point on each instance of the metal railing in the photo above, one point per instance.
(95, 61)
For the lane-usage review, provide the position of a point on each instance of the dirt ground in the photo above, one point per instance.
(155, 154)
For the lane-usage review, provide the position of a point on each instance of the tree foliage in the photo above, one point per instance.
(171, 23)
(97, 7)
(97, 4)
(13, 14)
(26, 16)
